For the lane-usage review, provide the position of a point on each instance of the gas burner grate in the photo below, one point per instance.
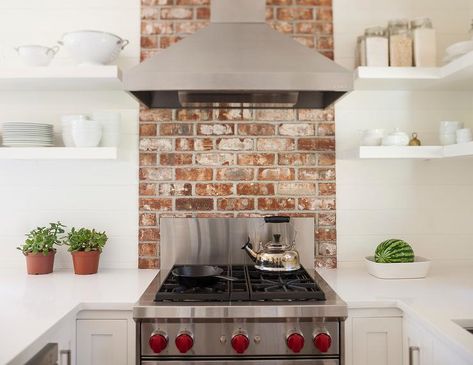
(221, 291)
(253, 285)
(280, 286)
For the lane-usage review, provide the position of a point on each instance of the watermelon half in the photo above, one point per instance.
(394, 250)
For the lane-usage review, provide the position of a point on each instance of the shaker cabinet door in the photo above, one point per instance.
(377, 341)
(102, 342)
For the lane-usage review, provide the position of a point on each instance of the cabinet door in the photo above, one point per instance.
(419, 338)
(377, 341)
(102, 342)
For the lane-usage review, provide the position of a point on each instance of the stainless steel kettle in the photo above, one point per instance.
(278, 254)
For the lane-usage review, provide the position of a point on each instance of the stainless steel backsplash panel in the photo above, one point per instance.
(219, 240)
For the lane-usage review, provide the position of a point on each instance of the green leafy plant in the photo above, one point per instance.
(43, 239)
(85, 239)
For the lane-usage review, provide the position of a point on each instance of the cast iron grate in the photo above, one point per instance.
(253, 285)
(221, 291)
(281, 286)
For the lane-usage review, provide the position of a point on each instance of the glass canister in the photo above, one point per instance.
(376, 47)
(400, 43)
(360, 52)
(425, 43)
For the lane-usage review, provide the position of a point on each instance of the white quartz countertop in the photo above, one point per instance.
(31, 304)
(446, 294)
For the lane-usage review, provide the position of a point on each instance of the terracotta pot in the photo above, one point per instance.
(85, 263)
(39, 264)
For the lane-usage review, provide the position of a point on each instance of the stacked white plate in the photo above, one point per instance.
(27, 134)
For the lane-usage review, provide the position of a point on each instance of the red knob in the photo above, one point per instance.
(295, 342)
(322, 342)
(158, 342)
(184, 342)
(240, 343)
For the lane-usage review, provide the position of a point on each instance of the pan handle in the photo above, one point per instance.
(277, 219)
(224, 277)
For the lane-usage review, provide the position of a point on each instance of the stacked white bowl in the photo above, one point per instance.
(372, 137)
(448, 132)
(80, 131)
(66, 121)
(464, 135)
(110, 122)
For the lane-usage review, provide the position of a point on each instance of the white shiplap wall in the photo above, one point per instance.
(428, 203)
(101, 194)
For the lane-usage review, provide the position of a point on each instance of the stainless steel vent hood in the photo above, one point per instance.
(238, 61)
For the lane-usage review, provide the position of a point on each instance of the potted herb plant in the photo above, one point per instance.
(39, 248)
(85, 246)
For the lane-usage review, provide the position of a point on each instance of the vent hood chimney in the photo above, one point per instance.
(238, 61)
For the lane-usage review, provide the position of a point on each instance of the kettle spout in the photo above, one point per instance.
(249, 250)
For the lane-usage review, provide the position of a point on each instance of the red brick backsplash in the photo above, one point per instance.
(236, 162)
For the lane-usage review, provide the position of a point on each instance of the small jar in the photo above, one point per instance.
(376, 47)
(400, 44)
(360, 51)
(425, 43)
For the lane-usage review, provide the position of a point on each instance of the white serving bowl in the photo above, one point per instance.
(86, 133)
(459, 49)
(372, 137)
(91, 47)
(34, 55)
(408, 270)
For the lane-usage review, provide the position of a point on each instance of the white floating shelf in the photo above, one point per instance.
(458, 150)
(454, 76)
(58, 153)
(420, 152)
(61, 78)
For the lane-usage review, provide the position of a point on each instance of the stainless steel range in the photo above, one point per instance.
(256, 317)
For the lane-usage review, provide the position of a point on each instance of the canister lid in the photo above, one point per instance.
(375, 31)
(422, 22)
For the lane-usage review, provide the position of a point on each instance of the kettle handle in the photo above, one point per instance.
(247, 244)
(277, 219)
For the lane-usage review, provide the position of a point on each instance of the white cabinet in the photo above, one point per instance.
(63, 336)
(374, 337)
(105, 339)
(425, 348)
(377, 341)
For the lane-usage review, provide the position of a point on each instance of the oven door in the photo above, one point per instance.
(246, 362)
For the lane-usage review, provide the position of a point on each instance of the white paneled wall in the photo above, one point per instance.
(100, 194)
(428, 203)
(44, 22)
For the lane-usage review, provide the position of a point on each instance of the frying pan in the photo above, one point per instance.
(201, 275)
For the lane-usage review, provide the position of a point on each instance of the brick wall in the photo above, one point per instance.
(232, 162)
